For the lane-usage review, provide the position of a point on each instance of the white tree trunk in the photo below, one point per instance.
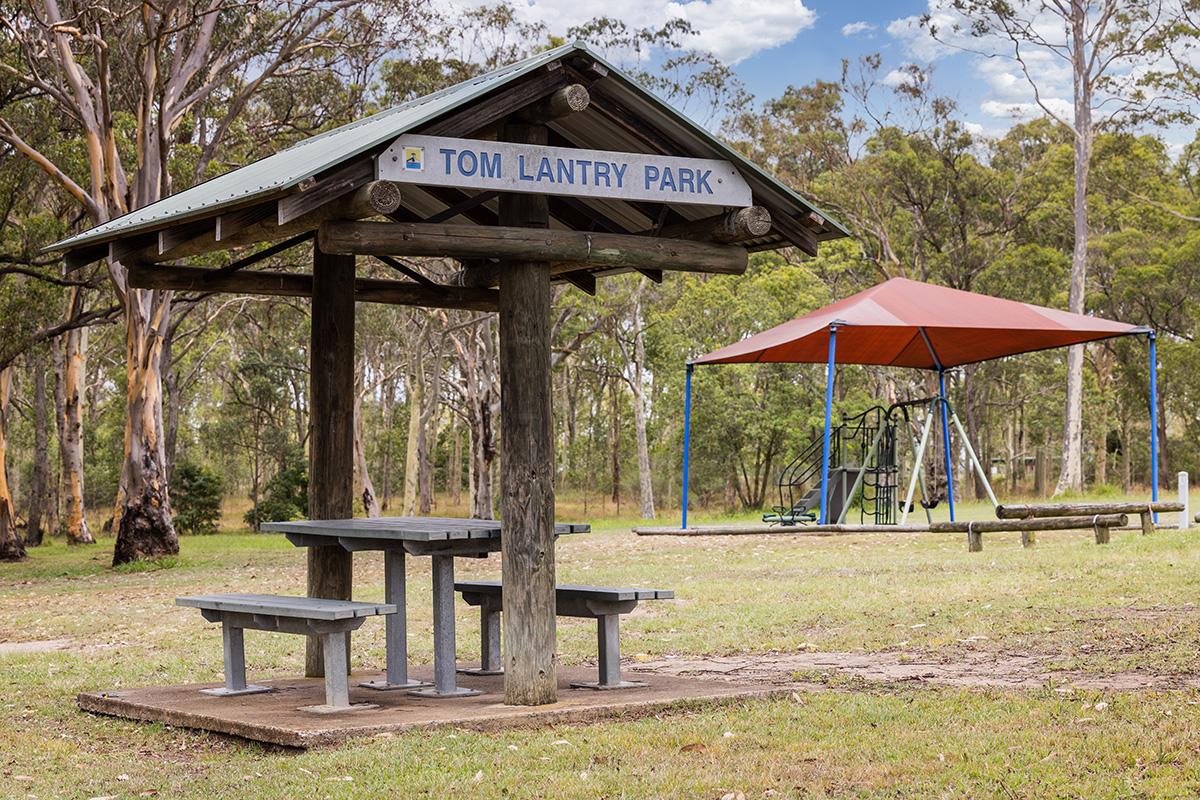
(1071, 476)
(640, 412)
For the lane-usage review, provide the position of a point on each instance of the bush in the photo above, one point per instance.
(196, 493)
(285, 497)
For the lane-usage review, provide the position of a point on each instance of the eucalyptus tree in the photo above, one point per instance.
(154, 92)
(1106, 47)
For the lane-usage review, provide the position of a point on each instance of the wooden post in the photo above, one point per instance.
(974, 540)
(331, 425)
(1147, 522)
(526, 456)
(1103, 535)
(1028, 538)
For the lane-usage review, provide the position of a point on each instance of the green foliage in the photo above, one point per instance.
(196, 494)
(285, 496)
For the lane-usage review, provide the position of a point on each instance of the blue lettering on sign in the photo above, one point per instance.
(489, 165)
(668, 179)
(467, 163)
(566, 170)
(651, 175)
(687, 180)
(619, 169)
(602, 173)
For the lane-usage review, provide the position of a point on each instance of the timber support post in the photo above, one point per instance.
(527, 455)
(331, 439)
(974, 540)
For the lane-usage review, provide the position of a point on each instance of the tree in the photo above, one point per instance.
(137, 81)
(1102, 42)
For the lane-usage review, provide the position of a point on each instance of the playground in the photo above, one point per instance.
(1008, 673)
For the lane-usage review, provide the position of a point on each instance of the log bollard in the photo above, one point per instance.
(974, 540)
(1028, 538)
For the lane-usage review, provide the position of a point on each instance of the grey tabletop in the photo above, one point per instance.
(410, 529)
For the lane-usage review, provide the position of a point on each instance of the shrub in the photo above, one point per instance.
(285, 497)
(196, 493)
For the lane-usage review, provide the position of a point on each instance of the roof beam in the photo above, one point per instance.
(566, 251)
(733, 226)
(326, 190)
(377, 198)
(796, 232)
(582, 280)
(486, 112)
(293, 284)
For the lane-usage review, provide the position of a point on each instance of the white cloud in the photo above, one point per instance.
(1021, 112)
(855, 28)
(733, 30)
(898, 77)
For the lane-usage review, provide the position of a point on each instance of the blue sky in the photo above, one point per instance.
(774, 43)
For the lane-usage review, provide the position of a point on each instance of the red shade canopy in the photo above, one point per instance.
(904, 323)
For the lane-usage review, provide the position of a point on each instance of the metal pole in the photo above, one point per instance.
(1154, 420)
(828, 421)
(916, 473)
(946, 441)
(687, 439)
(975, 460)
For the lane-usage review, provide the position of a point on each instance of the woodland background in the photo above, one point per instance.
(103, 109)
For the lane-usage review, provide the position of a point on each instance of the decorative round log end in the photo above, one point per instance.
(576, 97)
(384, 196)
(753, 221)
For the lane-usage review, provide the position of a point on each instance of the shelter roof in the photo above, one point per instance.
(623, 116)
(906, 323)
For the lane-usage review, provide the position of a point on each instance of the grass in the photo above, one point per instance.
(1128, 607)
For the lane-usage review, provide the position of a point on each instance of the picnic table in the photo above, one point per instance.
(441, 538)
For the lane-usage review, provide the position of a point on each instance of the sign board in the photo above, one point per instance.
(507, 167)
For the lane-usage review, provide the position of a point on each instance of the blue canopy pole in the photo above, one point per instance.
(946, 441)
(687, 438)
(829, 375)
(1153, 419)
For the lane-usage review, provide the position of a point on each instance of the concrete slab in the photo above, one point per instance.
(276, 717)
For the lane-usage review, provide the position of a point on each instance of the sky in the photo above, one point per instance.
(775, 43)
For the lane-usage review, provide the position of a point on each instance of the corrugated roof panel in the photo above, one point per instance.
(285, 169)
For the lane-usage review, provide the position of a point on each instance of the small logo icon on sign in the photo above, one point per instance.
(414, 158)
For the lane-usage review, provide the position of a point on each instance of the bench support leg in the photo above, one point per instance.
(235, 665)
(444, 682)
(396, 626)
(608, 640)
(489, 640)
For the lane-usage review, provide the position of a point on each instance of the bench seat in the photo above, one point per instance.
(605, 604)
(332, 620)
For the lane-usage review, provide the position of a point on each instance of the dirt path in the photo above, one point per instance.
(1002, 671)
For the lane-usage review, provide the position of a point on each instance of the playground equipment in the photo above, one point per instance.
(902, 323)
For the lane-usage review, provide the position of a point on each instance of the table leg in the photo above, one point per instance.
(444, 681)
(396, 626)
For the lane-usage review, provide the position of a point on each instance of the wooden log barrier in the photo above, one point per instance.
(975, 530)
(1077, 509)
(564, 251)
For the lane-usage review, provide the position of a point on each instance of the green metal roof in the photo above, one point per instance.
(284, 170)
